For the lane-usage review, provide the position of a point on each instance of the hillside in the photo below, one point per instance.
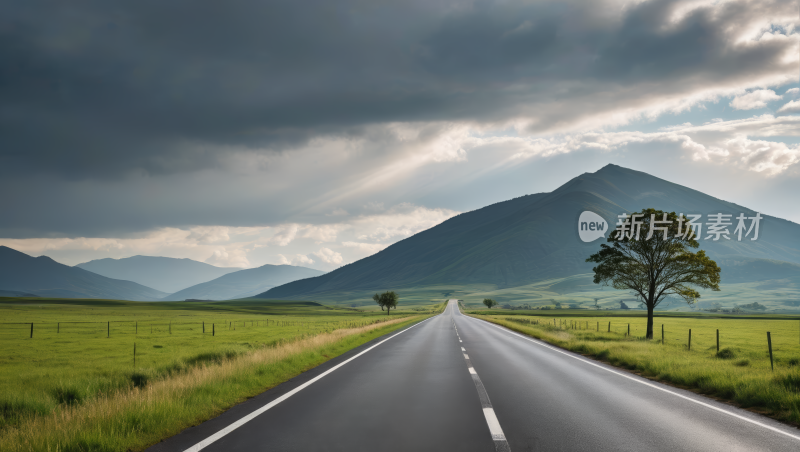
(244, 283)
(44, 277)
(535, 237)
(162, 273)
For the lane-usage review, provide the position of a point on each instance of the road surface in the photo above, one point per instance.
(457, 383)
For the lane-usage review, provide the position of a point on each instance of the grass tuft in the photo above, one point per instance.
(726, 353)
(68, 395)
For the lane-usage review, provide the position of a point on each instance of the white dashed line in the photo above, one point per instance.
(494, 424)
(498, 437)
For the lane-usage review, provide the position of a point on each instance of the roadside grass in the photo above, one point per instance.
(78, 389)
(740, 372)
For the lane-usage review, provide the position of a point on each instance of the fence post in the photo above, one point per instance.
(204, 327)
(108, 332)
(629, 330)
(31, 330)
(662, 334)
(717, 340)
(598, 327)
(769, 343)
(137, 327)
(58, 330)
(690, 339)
(213, 330)
(609, 327)
(170, 327)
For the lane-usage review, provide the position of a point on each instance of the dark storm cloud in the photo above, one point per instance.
(95, 89)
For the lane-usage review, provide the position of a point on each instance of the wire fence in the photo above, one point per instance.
(134, 327)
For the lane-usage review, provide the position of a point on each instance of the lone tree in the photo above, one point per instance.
(649, 255)
(489, 302)
(387, 300)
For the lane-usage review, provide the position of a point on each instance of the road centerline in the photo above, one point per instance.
(498, 437)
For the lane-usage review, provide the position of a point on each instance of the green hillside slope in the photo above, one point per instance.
(535, 237)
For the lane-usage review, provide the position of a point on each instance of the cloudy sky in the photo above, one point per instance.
(244, 132)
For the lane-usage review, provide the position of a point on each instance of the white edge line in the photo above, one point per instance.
(646, 383)
(216, 436)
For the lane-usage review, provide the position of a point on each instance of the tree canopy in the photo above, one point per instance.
(650, 256)
(489, 302)
(387, 300)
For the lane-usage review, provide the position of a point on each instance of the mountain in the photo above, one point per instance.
(535, 237)
(162, 273)
(244, 283)
(44, 277)
(15, 294)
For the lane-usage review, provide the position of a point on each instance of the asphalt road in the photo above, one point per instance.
(420, 390)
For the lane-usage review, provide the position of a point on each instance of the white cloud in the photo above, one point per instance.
(209, 234)
(323, 233)
(793, 91)
(223, 257)
(763, 156)
(298, 259)
(755, 99)
(285, 235)
(329, 256)
(401, 221)
(791, 107)
(721, 142)
(368, 248)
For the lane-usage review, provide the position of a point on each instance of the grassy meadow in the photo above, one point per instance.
(740, 372)
(74, 385)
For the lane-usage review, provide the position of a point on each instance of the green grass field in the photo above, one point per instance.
(777, 296)
(82, 353)
(740, 373)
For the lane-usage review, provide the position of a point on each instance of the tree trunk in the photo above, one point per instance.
(649, 321)
(387, 310)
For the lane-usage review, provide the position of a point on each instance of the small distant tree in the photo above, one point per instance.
(489, 302)
(649, 255)
(387, 300)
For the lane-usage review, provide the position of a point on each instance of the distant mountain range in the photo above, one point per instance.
(165, 274)
(535, 237)
(26, 276)
(44, 277)
(244, 283)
